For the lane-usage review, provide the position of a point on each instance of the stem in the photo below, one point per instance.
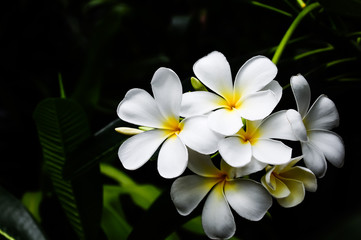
(291, 29)
(4, 234)
(340, 61)
(61, 86)
(271, 8)
(320, 50)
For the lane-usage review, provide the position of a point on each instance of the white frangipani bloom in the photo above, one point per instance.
(257, 142)
(247, 197)
(253, 95)
(312, 128)
(162, 114)
(287, 183)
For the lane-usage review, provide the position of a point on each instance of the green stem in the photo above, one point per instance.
(271, 8)
(320, 50)
(61, 86)
(329, 64)
(4, 234)
(291, 29)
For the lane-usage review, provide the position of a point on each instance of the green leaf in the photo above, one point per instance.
(194, 225)
(31, 201)
(15, 221)
(62, 126)
(142, 194)
(114, 221)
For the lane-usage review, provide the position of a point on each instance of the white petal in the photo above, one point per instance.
(257, 105)
(202, 164)
(314, 159)
(303, 175)
(187, 192)
(254, 75)
(285, 167)
(296, 196)
(301, 91)
(271, 151)
(276, 88)
(330, 144)
(278, 189)
(281, 190)
(217, 218)
(137, 150)
(167, 90)
(269, 179)
(235, 151)
(139, 107)
(322, 114)
(200, 102)
(172, 158)
(297, 125)
(248, 198)
(225, 121)
(276, 126)
(197, 135)
(214, 71)
(252, 167)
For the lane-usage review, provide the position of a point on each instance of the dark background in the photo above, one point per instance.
(104, 48)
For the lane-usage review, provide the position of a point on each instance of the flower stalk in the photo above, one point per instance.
(291, 29)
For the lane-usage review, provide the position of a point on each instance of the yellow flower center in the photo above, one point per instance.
(173, 125)
(251, 134)
(232, 101)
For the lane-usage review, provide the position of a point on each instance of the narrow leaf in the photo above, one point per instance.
(62, 126)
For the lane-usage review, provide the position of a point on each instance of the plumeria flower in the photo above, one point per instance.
(257, 142)
(253, 95)
(287, 183)
(247, 197)
(161, 114)
(312, 127)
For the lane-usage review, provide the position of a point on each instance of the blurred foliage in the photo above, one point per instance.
(97, 50)
(15, 221)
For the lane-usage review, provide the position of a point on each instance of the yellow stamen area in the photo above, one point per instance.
(173, 125)
(249, 136)
(252, 133)
(231, 101)
(219, 189)
(222, 176)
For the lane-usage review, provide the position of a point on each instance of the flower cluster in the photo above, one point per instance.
(232, 121)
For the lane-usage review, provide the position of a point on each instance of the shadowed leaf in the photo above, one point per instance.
(62, 125)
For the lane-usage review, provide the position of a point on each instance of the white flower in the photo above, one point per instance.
(287, 183)
(253, 95)
(247, 197)
(162, 114)
(256, 141)
(312, 127)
